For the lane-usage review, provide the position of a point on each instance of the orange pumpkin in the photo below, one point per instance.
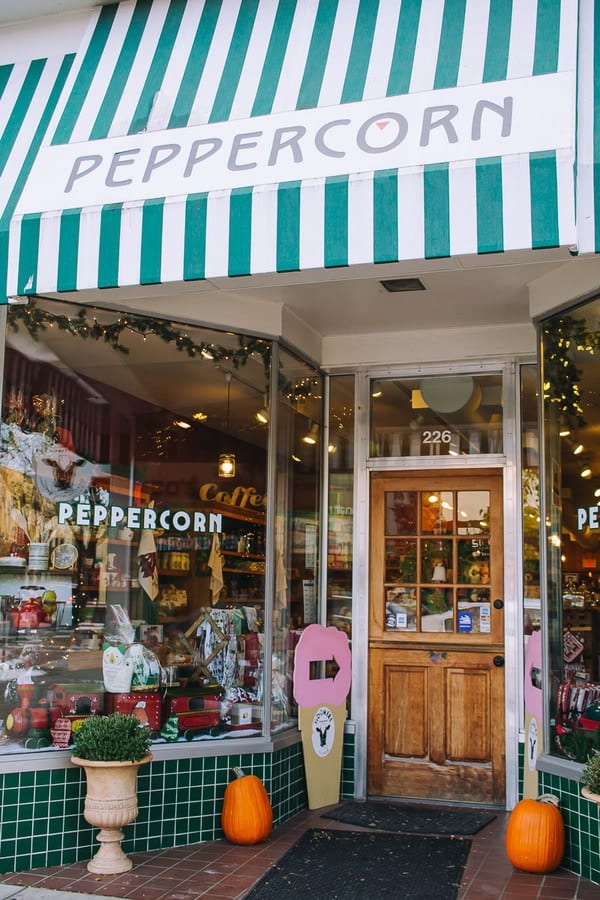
(247, 816)
(535, 835)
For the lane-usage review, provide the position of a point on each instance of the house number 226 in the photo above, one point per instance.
(436, 436)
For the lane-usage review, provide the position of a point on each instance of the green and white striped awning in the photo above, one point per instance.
(162, 68)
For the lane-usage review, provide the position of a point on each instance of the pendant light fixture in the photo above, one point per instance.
(262, 415)
(226, 467)
(312, 434)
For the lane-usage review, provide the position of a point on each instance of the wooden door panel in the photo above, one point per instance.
(468, 735)
(405, 693)
(437, 738)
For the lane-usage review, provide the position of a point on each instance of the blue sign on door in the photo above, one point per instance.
(465, 621)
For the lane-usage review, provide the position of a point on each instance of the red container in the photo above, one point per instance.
(192, 703)
(144, 705)
(195, 712)
(77, 699)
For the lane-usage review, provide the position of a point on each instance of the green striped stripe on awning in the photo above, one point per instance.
(148, 66)
(28, 96)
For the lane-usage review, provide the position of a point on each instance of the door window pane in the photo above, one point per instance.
(437, 512)
(400, 560)
(474, 610)
(437, 561)
(474, 561)
(401, 512)
(401, 609)
(473, 512)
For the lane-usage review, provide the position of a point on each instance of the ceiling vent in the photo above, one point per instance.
(398, 285)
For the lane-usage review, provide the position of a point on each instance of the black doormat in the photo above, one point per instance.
(411, 819)
(356, 865)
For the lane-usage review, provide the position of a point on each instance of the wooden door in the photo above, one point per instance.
(436, 629)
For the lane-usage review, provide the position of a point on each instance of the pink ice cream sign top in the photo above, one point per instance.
(320, 644)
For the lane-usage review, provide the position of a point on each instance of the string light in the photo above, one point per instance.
(36, 320)
(561, 375)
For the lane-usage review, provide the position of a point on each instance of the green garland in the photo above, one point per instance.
(37, 320)
(561, 337)
(562, 377)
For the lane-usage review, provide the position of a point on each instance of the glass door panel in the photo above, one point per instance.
(437, 561)
(437, 512)
(401, 512)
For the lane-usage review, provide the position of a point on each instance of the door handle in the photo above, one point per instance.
(498, 604)
(498, 661)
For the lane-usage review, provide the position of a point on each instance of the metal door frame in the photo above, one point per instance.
(510, 463)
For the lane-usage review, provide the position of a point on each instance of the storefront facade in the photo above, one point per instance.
(205, 207)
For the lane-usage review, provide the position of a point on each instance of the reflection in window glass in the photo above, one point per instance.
(340, 505)
(572, 460)
(530, 488)
(453, 415)
(133, 547)
(401, 512)
(298, 479)
(437, 512)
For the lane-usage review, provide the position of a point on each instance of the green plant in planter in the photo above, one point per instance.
(113, 738)
(591, 773)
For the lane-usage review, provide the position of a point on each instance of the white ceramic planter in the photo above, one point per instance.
(110, 803)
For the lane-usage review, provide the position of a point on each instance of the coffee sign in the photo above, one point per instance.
(241, 497)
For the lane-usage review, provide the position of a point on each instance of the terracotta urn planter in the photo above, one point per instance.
(111, 802)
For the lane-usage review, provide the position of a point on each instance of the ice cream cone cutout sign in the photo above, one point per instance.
(322, 710)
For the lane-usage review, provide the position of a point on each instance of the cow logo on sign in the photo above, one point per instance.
(60, 474)
(323, 731)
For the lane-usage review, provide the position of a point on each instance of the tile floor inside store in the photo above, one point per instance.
(219, 870)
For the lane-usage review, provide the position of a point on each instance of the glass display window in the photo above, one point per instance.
(133, 563)
(570, 379)
(340, 502)
(297, 480)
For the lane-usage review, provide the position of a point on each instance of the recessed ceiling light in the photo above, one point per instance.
(398, 285)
